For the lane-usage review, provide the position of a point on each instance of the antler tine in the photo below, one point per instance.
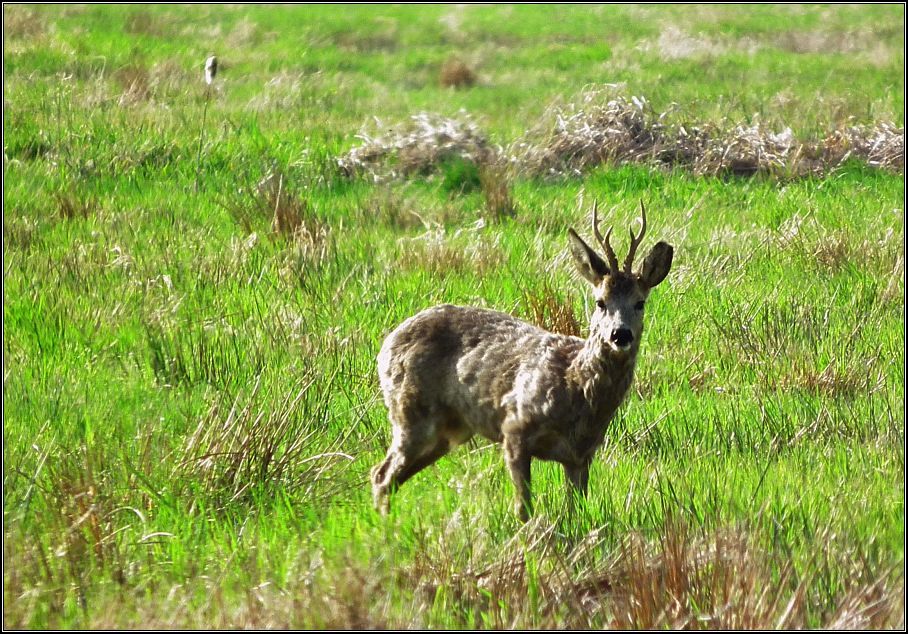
(635, 240)
(605, 244)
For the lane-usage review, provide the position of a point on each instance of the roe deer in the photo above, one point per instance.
(450, 372)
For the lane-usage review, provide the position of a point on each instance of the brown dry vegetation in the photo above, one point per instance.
(495, 183)
(440, 254)
(551, 311)
(684, 579)
(20, 22)
(456, 74)
(602, 126)
(418, 147)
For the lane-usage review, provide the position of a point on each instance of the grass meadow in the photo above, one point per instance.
(197, 280)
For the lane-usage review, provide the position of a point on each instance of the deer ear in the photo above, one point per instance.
(591, 266)
(657, 264)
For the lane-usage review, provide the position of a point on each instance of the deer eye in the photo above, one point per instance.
(600, 303)
(639, 305)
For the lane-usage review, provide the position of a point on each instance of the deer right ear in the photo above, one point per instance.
(591, 266)
(657, 264)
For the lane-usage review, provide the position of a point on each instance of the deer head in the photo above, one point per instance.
(617, 322)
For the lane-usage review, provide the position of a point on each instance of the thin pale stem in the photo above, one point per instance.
(198, 160)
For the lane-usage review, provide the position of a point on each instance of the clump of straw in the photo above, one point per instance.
(420, 146)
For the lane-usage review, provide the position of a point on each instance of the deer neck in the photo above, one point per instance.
(603, 374)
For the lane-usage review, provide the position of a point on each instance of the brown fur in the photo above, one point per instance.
(451, 372)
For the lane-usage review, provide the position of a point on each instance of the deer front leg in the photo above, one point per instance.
(517, 457)
(578, 477)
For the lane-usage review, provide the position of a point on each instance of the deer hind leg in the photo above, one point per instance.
(413, 448)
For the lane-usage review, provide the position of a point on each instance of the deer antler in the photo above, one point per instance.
(605, 244)
(635, 240)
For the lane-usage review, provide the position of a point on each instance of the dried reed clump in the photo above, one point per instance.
(602, 127)
(879, 145)
(605, 127)
(418, 147)
(456, 74)
(741, 151)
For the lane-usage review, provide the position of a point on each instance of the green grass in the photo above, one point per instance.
(191, 406)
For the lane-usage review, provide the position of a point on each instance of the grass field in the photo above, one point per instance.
(196, 285)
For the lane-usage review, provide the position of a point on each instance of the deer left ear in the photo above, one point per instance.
(657, 264)
(591, 266)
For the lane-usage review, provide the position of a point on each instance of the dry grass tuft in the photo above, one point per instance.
(832, 382)
(436, 253)
(551, 311)
(741, 151)
(724, 582)
(456, 74)
(418, 147)
(240, 445)
(834, 252)
(495, 182)
(680, 580)
(389, 207)
(289, 211)
(290, 214)
(71, 205)
(880, 145)
(20, 22)
(602, 127)
(143, 22)
(674, 44)
(385, 37)
(135, 83)
(293, 220)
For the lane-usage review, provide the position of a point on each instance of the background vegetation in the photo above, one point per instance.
(191, 314)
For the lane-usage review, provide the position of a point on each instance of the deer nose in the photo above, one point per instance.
(622, 337)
